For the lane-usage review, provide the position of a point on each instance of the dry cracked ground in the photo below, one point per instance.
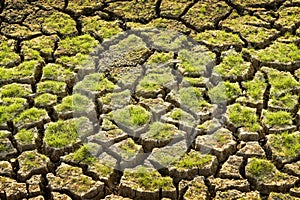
(149, 99)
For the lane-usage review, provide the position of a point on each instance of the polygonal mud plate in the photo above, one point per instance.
(231, 168)
(284, 147)
(195, 189)
(78, 185)
(251, 149)
(146, 183)
(221, 144)
(26, 139)
(235, 194)
(11, 189)
(218, 184)
(31, 163)
(265, 176)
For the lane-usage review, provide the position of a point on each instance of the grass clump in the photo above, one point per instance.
(255, 88)
(132, 116)
(285, 144)
(193, 159)
(153, 81)
(194, 62)
(75, 102)
(149, 179)
(83, 154)
(224, 91)
(94, 82)
(260, 168)
(277, 118)
(52, 87)
(159, 130)
(63, 133)
(31, 115)
(57, 72)
(45, 100)
(25, 136)
(192, 97)
(243, 116)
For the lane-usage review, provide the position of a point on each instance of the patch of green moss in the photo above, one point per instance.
(31, 159)
(45, 100)
(128, 148)
(132, 116)
(193, 159)
(180, 115)
(169, 40)
(247, 26)
(260, 168)
(116, 98)
(31, 115)
(255, 88)
(10, 107)
(94, 82)
(25, 136)
(63, 133)
(75, 102)
(278, 52)
(280, 81)
(218, 37)
(134, 9)
(173, 8)
(79, 61)
(79, 44)
(232, 64)
(154, 82)
(204, 14)
(105, 29)
(288, 16)
(159, 130)
(54, 87)
(15, 90)
(59, 22)
(285, 144)
(160, 58)
(83, 154)
(243, 116)
(43, 44)
(148, 179)
(192, 98)
(195, 61)
(277, 118)
(287, 101)
(57, 72)
(224, 91)
(7, 54)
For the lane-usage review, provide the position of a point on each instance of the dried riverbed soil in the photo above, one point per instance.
(161, 99)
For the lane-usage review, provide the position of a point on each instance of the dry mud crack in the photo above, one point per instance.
(147, 99)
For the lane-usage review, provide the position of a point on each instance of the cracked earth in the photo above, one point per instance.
(140, 99)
